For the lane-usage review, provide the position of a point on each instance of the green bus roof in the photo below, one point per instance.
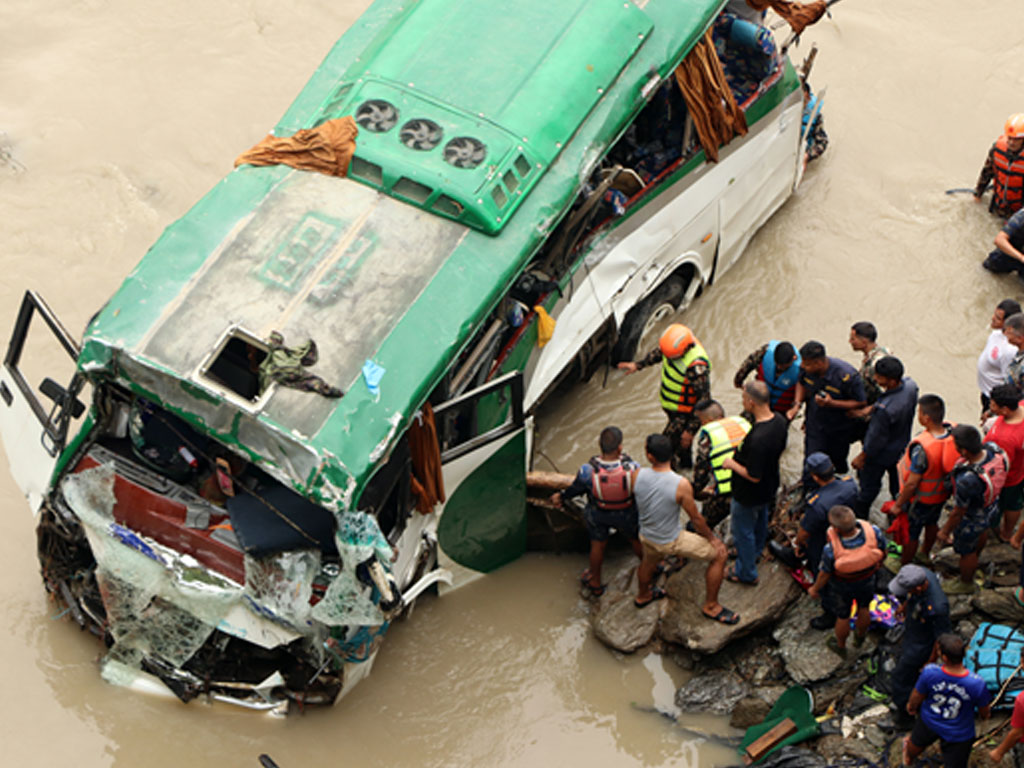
(365, 275)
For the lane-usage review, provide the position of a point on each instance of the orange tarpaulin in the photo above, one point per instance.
(328, 148)
(716, 115)
(799, 15)
(427, 481)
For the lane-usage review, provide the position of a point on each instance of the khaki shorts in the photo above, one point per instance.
(686, 545)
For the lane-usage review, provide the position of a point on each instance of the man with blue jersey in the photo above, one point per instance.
(944, 701)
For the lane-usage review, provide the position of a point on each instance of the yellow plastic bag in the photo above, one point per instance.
(545, 326)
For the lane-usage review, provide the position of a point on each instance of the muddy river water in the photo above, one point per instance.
(116, 115)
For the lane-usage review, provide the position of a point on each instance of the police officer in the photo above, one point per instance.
(1004, 166)
(778, 365)
(832, 490)
(925, 610)
(717, 440)
(888, 431)
(831, 388)
(685, 381)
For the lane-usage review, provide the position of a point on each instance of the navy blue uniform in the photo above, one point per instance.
(998, 261)
(886, 440)
(926, 616)
(842, 490)
(830, 430)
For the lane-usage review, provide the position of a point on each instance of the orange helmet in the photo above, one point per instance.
(676, 340)
(1014, 128)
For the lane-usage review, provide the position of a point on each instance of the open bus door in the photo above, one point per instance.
(483, 462)
(35, 430)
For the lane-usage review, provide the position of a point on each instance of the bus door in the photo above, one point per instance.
(34, 428)
(483, 462)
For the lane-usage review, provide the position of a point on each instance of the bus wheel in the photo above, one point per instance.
(645, 322)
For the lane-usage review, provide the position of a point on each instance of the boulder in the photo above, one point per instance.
(834, 690)
(959, 607)
(714, 692)
(1002, 556)
(750, 710)
(684, 621)
(616, 620)
(803, 649)
(1000, 604)
(834, 747)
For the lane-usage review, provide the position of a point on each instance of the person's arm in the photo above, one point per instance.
(579, 486)
(819, 583)
(918, 466)
(800, 394)
(800, 542)
(684, 498)
(987, 172)
(985, 712)
(1011, 738)
(1003, 243)
(703, 472)
(914, 703)
(945, 534)
(748, 366)
(652, 357)
(739, 469)
(700, 380)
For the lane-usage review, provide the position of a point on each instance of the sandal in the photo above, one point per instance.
(657, 593)
(1018, 595)
(833, 645)
(669, 565)
(730, 575)
(585, 583)
(724, 616)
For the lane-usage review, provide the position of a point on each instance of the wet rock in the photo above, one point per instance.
(1003, 556)
(959, 607)
(966, 628)
(715, 692)
(834, 747)
(999, 604)
(616, 620)
(803, 649)
(834, 690)
(750, 710)
(684, 621)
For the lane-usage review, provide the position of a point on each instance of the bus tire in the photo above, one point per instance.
(660, 305)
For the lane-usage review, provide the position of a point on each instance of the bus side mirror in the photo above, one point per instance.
(59, 395)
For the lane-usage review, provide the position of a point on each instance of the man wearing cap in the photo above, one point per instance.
(778, 365)
(925, 610)
(831, 388)
(1004, 167)
(832, 490)
(888, 431)
(685, 381)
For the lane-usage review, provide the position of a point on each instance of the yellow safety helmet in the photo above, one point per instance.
(1014, 128)
(676, 340)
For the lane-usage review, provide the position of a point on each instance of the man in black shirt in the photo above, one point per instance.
(755, 479)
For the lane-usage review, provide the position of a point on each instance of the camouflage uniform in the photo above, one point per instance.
(698, 376)
(867, 373)
(749, 365)
(287, 366)
(716, 506)
(1015, 371)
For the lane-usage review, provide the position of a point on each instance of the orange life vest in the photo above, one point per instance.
(858, 562)
(942, 455)
(1008, 176)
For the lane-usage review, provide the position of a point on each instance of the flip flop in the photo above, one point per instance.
(724, 616)
(667, 566)
(585, 583)
(1018, 595)
(730, 575)
(657, 593)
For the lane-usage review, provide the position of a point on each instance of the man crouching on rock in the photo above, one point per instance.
(659, 492)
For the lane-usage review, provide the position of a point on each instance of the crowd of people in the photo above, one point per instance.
(950, 484)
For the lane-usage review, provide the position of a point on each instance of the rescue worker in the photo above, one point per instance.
(1008, 433)
(1004, 167)
(1009, 253)
(929, 458)
(833, 490)
(717, 440)
(778, 365)
(831, 388)
(977, 480)
(864, 339)
(852, 554)
(995, 358)
(925, 611)
(685, 381)
(606, 480)
(892, 417)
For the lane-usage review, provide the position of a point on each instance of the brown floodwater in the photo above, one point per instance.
(118, 115)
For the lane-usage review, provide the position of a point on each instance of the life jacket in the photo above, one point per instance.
(1008, 176)
(942, 456)
(725, 436)
(677, 394)
(856, 563)
(781, 386)
(992, 471)
(611, 485)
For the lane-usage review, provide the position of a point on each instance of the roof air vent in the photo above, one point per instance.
(465, 152)
(421, 134)
(377, 115)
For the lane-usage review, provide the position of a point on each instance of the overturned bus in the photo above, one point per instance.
(210, 507)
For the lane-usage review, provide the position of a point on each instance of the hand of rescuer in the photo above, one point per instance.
(628, 367)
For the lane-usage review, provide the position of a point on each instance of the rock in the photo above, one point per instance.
(684, 621)
(749, 711)
(835, 689)
(966, 628)
(959, 607)
(803, 649)
(834, 747)
(1003, 556)
(617, 622)
(715, 692)
(1000, 604)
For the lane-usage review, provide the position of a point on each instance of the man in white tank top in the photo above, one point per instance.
(659, 492)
